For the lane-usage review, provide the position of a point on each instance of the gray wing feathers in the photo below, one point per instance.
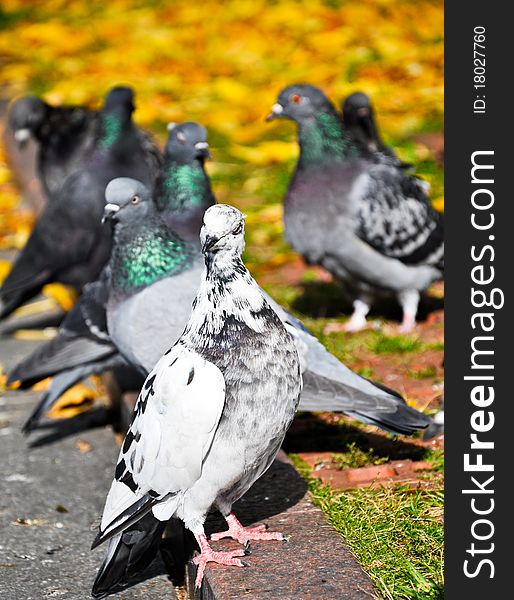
(364, 263)
(328, 385)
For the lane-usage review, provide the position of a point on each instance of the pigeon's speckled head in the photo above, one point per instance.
(187, 142)
(126, 200)
(120, 98)
(223, 230)
(299, 102)
(26, 116)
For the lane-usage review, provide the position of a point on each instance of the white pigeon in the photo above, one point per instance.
(209, 420)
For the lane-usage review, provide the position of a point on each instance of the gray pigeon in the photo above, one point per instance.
(83, 346)
(368, 222)
(68, 243)
(183, 190)
(209, 420)
(154, 279)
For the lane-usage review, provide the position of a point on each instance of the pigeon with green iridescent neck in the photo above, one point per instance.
(69, 244)
(183, 190)
(368, 222)
(153, 275)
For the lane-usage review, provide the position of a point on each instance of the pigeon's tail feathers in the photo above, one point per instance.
(141, 506)
(375, 406)
(59, 384)
(20, 287)
(404, 420)
(129, 553)
(60, 353)
(436, 427)
(328, 385)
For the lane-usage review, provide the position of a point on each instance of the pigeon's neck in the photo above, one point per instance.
(184, 187)
(323, 140)
(142, 255)
(228, 299)
(111, 128)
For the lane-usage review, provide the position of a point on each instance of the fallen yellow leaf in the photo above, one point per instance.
(77, 400)
(438, 204)
(65, 296)
(42, 386)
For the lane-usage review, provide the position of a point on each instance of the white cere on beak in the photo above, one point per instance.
(201, 145)
(114, 208)
(277, 109)
(171, 126)
(22, 135)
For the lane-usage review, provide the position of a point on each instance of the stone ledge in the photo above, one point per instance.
(313, 564)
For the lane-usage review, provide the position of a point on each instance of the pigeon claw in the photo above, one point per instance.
(230, 558)
(244, 535)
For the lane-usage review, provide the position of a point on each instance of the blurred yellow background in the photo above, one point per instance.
(222, 63)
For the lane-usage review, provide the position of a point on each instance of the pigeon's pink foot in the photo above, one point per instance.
(245, 534)
(409, 301)
(408, 323)
(357, 321)
(207, 554)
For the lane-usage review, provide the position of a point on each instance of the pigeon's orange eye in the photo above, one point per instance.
(135, 200)
(296, 98)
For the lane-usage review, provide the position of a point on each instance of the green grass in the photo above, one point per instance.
(396, 534)
(398, 344)
(425, 373)
(355, 457)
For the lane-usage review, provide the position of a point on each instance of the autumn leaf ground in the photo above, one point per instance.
(222, 64)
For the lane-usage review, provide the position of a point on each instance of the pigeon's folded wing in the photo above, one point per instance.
(176, 417)
(366, 264)
(93, 309)
(58, 354)
(329, 385)
(396, 218)
(82, 338)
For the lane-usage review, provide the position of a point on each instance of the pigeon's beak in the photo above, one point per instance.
(276, 112)
(109, 211)
(202, 150)
(363, 112)
(22, 136)
(209, 243)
